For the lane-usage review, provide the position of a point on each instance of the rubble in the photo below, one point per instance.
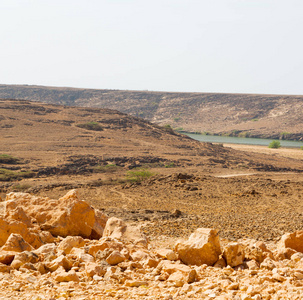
(123, 265)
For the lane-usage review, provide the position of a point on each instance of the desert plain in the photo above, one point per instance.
(158, 181)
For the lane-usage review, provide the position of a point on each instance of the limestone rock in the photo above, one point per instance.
(293, 241)
(140, 254)
(69, 243)
(252, 265)
(297, 256)
(45, 249)
(166, 254)
(220, 263)
(6, 257)
(189, 274)
(283, 253)
(4, 268)
(67, 216)
(63, 276)
(102, 244)
(268, 264)
(18, 214)
(117, 229)
(60, 261)
(100, 223)
(115, 258)
(177, 278)
(202, 247)
(151, 262)
(16, 243)
(85, 258)
(7, 227)
(24, 257)
(233, 254)
(93, 269)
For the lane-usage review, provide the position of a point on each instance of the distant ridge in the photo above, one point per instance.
(247, 115)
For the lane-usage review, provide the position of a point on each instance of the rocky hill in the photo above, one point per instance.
(269, 116)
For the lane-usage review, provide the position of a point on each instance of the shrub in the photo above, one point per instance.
(301, 147)
(91, 126)
(8, 159)
(168, 128)
(274, 144)
(138, 175)
(9, 175)
(170, 165)
(21, 187)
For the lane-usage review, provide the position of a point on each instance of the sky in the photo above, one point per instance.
(229, 46)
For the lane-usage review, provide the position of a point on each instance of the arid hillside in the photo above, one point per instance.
(270, 116)
(135, 170)
(67, 140)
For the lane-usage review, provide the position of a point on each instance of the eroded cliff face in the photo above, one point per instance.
(38, 262)
(268, 116)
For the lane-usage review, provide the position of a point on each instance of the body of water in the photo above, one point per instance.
(239, 140)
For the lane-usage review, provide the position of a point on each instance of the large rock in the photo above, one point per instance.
(202, 247)
(67, 216)
(292, 240)
(117, 229)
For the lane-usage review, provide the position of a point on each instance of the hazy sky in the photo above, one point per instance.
(250, 46)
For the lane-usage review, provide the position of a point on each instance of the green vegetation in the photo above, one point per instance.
(179, 129)
(285, 135)
(8, 159)
(170, 165)
(274, 144)
(243, 134)
(91, 126)
(9, 175)
(177, 119)
(20, 187)
(301, 147)
(138, 175)
(255, 120)
(110, 168)
(168, 128)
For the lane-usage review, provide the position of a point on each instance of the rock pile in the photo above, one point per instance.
(59, 249)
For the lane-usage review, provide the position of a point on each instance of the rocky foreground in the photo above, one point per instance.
(59, 249)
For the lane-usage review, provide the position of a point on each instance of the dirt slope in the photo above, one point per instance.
(50, 153)
(271, 116)
(50, 136)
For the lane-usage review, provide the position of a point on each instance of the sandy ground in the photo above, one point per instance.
(295, 153)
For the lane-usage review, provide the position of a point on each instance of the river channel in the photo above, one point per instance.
(239, 140)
